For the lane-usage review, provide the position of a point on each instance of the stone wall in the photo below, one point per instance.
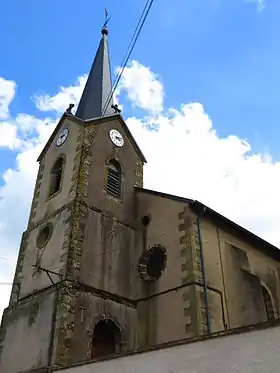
(26, 334)
(166, 306)
(98, 150)
(42, 204)
(237, 269)
(255, 351)
(79, 309)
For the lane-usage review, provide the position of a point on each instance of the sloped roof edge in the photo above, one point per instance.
(200, 209)
(127, 131)
(89, 122)
(55, 131)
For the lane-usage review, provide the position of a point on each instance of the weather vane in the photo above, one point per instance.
(106, 19)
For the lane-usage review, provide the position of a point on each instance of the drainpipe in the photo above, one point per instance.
(203, 270)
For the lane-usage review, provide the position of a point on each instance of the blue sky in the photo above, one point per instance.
(225, 54)
(206, 72)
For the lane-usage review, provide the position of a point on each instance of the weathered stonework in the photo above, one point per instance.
(193, 296)
(66, 311)
(77, 234)
(18, 272)
(139, 174)
(33, 312)
(71, 251)
(21, 324)
(85, 162)
(49, 216)
(3, 329)
(198, 277)
(36, 194)
(66, 241)
(77, 164)
(78, 312)
(187, 271)
(202, 315)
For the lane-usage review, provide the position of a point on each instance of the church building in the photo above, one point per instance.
(107, 267)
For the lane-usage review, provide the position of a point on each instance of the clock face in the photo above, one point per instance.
(62, 137)
(116, 138)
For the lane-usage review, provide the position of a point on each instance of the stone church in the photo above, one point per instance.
(106, 267)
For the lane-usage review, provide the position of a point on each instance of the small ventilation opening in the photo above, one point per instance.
(145, 221)
(114, 179)
(43, 236)
(56, 176)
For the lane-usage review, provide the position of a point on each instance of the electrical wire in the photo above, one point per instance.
(137, 31)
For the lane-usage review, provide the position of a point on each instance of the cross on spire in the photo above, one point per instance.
(106, 19)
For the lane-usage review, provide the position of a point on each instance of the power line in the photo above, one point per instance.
(137, 31)
(134, 39)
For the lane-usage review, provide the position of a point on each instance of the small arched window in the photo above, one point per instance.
(114, 179)
(106, 339)
(56, 176)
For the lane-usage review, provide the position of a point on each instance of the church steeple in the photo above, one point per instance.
(98, 86)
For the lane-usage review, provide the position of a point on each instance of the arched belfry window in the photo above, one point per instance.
(56, 176)
(106, 339)
(114, 178)
(268, 304)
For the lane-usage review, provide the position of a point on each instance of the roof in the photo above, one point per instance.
(126, 130)
(97, 93)
(91, 122)
(223, 222)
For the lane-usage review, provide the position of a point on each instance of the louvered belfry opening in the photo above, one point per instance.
(114, 179)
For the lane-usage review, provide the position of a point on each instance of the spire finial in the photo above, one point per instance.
(104, 30)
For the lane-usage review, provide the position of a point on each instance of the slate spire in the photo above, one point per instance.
(99, 84)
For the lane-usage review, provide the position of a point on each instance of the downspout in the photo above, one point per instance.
(203, 270)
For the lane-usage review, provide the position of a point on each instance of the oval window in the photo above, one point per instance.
(44, 236)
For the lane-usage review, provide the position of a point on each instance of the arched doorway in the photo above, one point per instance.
(106, 339)
(268, 304)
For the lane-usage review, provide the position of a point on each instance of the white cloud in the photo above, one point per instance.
(259, 3)
(142, 87)
(185, 157)
(60, 102)
(7, 93)
(8, 136)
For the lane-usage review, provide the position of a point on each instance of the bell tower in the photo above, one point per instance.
(73, 285)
